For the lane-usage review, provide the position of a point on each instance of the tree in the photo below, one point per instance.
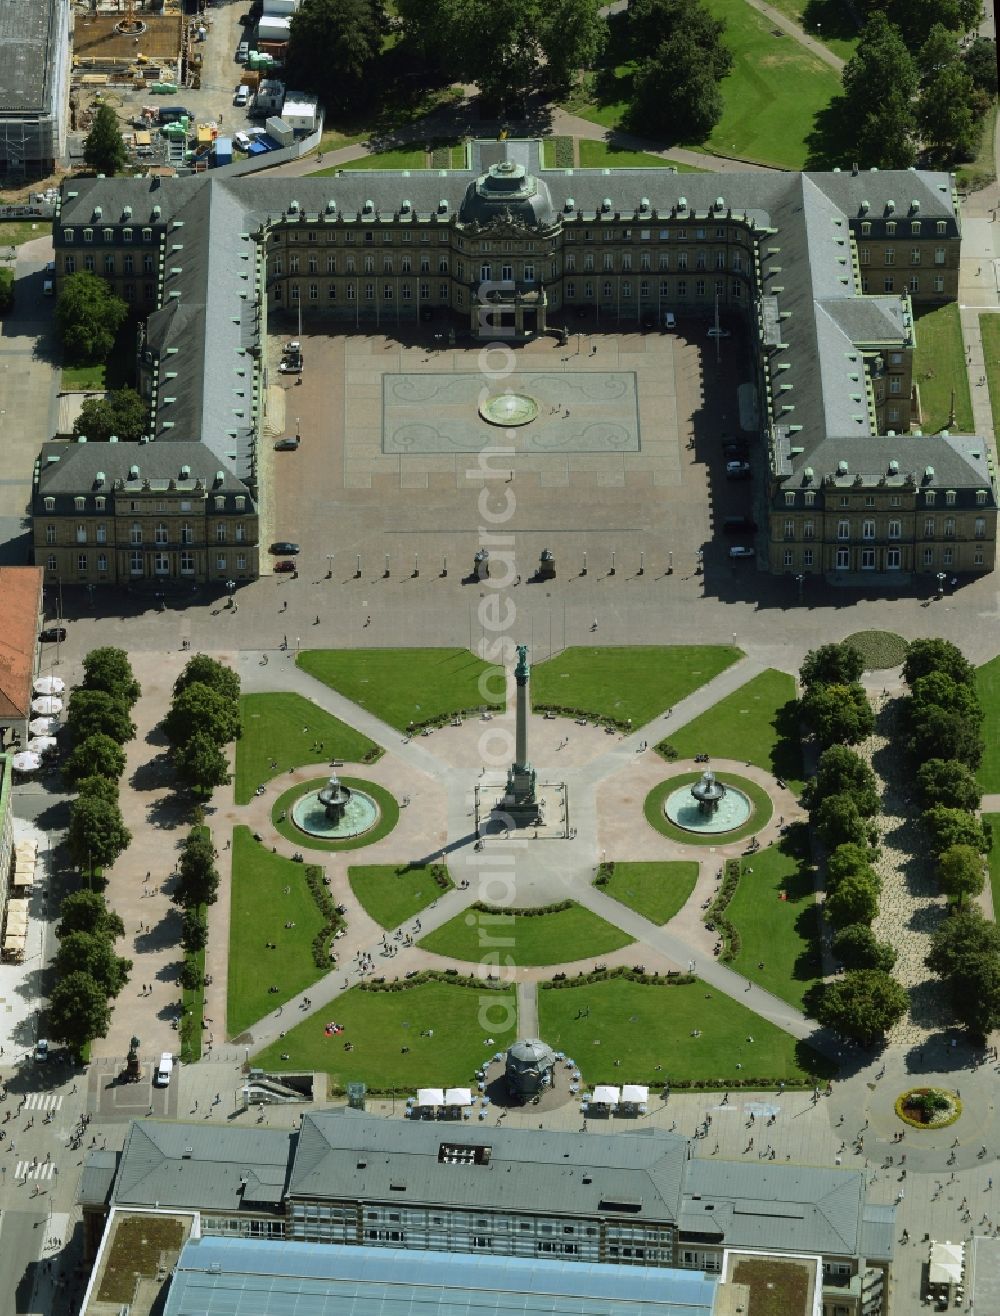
(915, 19)
(101, 788)
(571, 36)
(939, 733)
(198, 882)
(939, 690)
(832, 664)
(103, 147)
(122, 413)
(981, 65)
(855, 900)
(86, 911)
(837, 714)
(863, 1004)
(937, 52)
(948, 782)
(202, 670)
(6, 288)
(88, 316)
(948, 125)
(947, 827)
(961, 873)
(97, 756)
(78, 1011)
(842, 772)
(93, 954)
(965, 953)
(96, 713)
(201, 764)
(194, 930)
(933, 655)
(846, 860)
(333, 46)
(880, 81)
(857, 947)
(97, 833)
(838, 822)
(675, 94)
(200, 708)
(109, 669)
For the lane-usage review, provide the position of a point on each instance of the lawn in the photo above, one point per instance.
(760, 814)
(267, 891)
(387, 820)
(993, 821)
(989, 329)
(828, 21)
(981, 170)
(273, 735)
(938, 367)
(770, 98)
(403, 686)
(602, 155)
(116, 372)
(80, 379)
(655, 890)
(648, 1028)
(988, 689)
(385, 1030)
(634, 683)
(781, 934)
(506, 939)
(403, 157)
(13, 232)
(757, 723)
(391, 894)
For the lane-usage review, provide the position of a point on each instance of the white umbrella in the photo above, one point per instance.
(41, 743)
(47, 705)
(26, 761)
(49, 685)
(43, 726)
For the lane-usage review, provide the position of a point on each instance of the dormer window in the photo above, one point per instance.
(127, 235)
(88, 235)
(930, 497)
(240, 502)
(890, 228)
(980, 497)
(147, 235)
(80, 504)
(220, 504)
(50, 504)
(949, 497)
(108, 235)
(68, 234)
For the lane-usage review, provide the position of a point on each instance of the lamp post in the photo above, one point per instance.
(329, 565)
(800, 580)
(940, 584)
(231, 586)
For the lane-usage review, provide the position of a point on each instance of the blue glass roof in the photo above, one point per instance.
(244, 1277)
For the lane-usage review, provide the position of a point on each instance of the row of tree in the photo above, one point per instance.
(89, 974)
(843, 799)
(204, 715)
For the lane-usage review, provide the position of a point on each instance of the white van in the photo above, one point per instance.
(164, 1069)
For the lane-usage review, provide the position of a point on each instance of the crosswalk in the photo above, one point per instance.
(38, 1170)
(43, 1101)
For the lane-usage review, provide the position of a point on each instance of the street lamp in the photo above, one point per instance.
(231, 586)
(940, 582)
(800, 580)
(329, 566)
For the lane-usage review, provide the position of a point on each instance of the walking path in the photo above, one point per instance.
(793, 29)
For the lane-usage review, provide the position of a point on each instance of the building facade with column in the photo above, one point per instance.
(820, 271)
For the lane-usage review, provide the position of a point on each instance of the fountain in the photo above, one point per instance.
(508, 409)
(708, 806)
(709, 792)
(335, 812)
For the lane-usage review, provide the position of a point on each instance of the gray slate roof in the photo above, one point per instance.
(27, 28)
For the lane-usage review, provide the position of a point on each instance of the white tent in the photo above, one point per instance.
(47, 705)
(49, 685)
(39, 744)
(947, 1262)
(635, 1092)
(604, 1095)
(430, 1096)
(458, 1097)
(26, 761)
(43, 726)
(26, 847)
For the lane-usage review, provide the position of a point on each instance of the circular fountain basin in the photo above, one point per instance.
(733, 810)
(508, 409)
(361, 814)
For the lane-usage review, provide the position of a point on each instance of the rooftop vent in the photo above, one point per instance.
(807, 475)
(113, 438)
(569, 204)
(99, 478)
(133, 472)
(187, 1153)
(362, 1165)
(369, 206)
(606, 205)
(293, 207)
(928, 474)
(185, 472)
(720, 203)
(98, 212)
(864, 207)
(682, 203)
(127, 212)
(842, 467)
(81, 438)
(644, 203)
(890, 207)
(407, 206)
(894, 467)
(331, 206)
(219, 477)
(443, 206)
(914, 206)
(157, 212)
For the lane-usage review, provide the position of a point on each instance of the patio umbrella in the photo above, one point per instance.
(43, 726)
(26, 761)
(47, 705)
(41, 743)
(49, 685)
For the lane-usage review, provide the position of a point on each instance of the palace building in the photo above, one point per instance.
(822, 269)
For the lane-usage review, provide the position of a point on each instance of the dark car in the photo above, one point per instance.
(288, 444)
(738, 525)
(284, 546)
(53, 633)
(284, 566)
(738, 470)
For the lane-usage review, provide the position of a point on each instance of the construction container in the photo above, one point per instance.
(163, 88)
(279, 131)
(280, 8)
(300, 112)
(222, 153)
(250, 78)
(273, 29)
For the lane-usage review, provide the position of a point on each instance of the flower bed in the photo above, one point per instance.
(928, 1108)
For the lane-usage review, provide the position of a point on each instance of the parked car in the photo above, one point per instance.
(284, 566)
(290, 368)
(288, 444)
(53, 633)
(284, 546)
(669, 320)
(41, 1050)
(738, 471)
(242, 141)
(719, 333)
(243, 52)
(741, 550)
(292, 348)
(242, 95)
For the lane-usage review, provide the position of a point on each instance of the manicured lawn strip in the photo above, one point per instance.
(982, 169)
(648, 1028)
(391, 894)
(388, 815)
(989, 329)
(272, 732)
(993, 820)
(80, 379)
(404, 685)
(403, 157)
(381, 1025)
(758, 723)
(828, 21)
(601, 155)
(783, 935)
(759, 817)
(657, 891)
(988, 689)
(938, 367)
(557, 938)
(193, 1005)
(15, 231)
(637, 682)
(259, 909)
